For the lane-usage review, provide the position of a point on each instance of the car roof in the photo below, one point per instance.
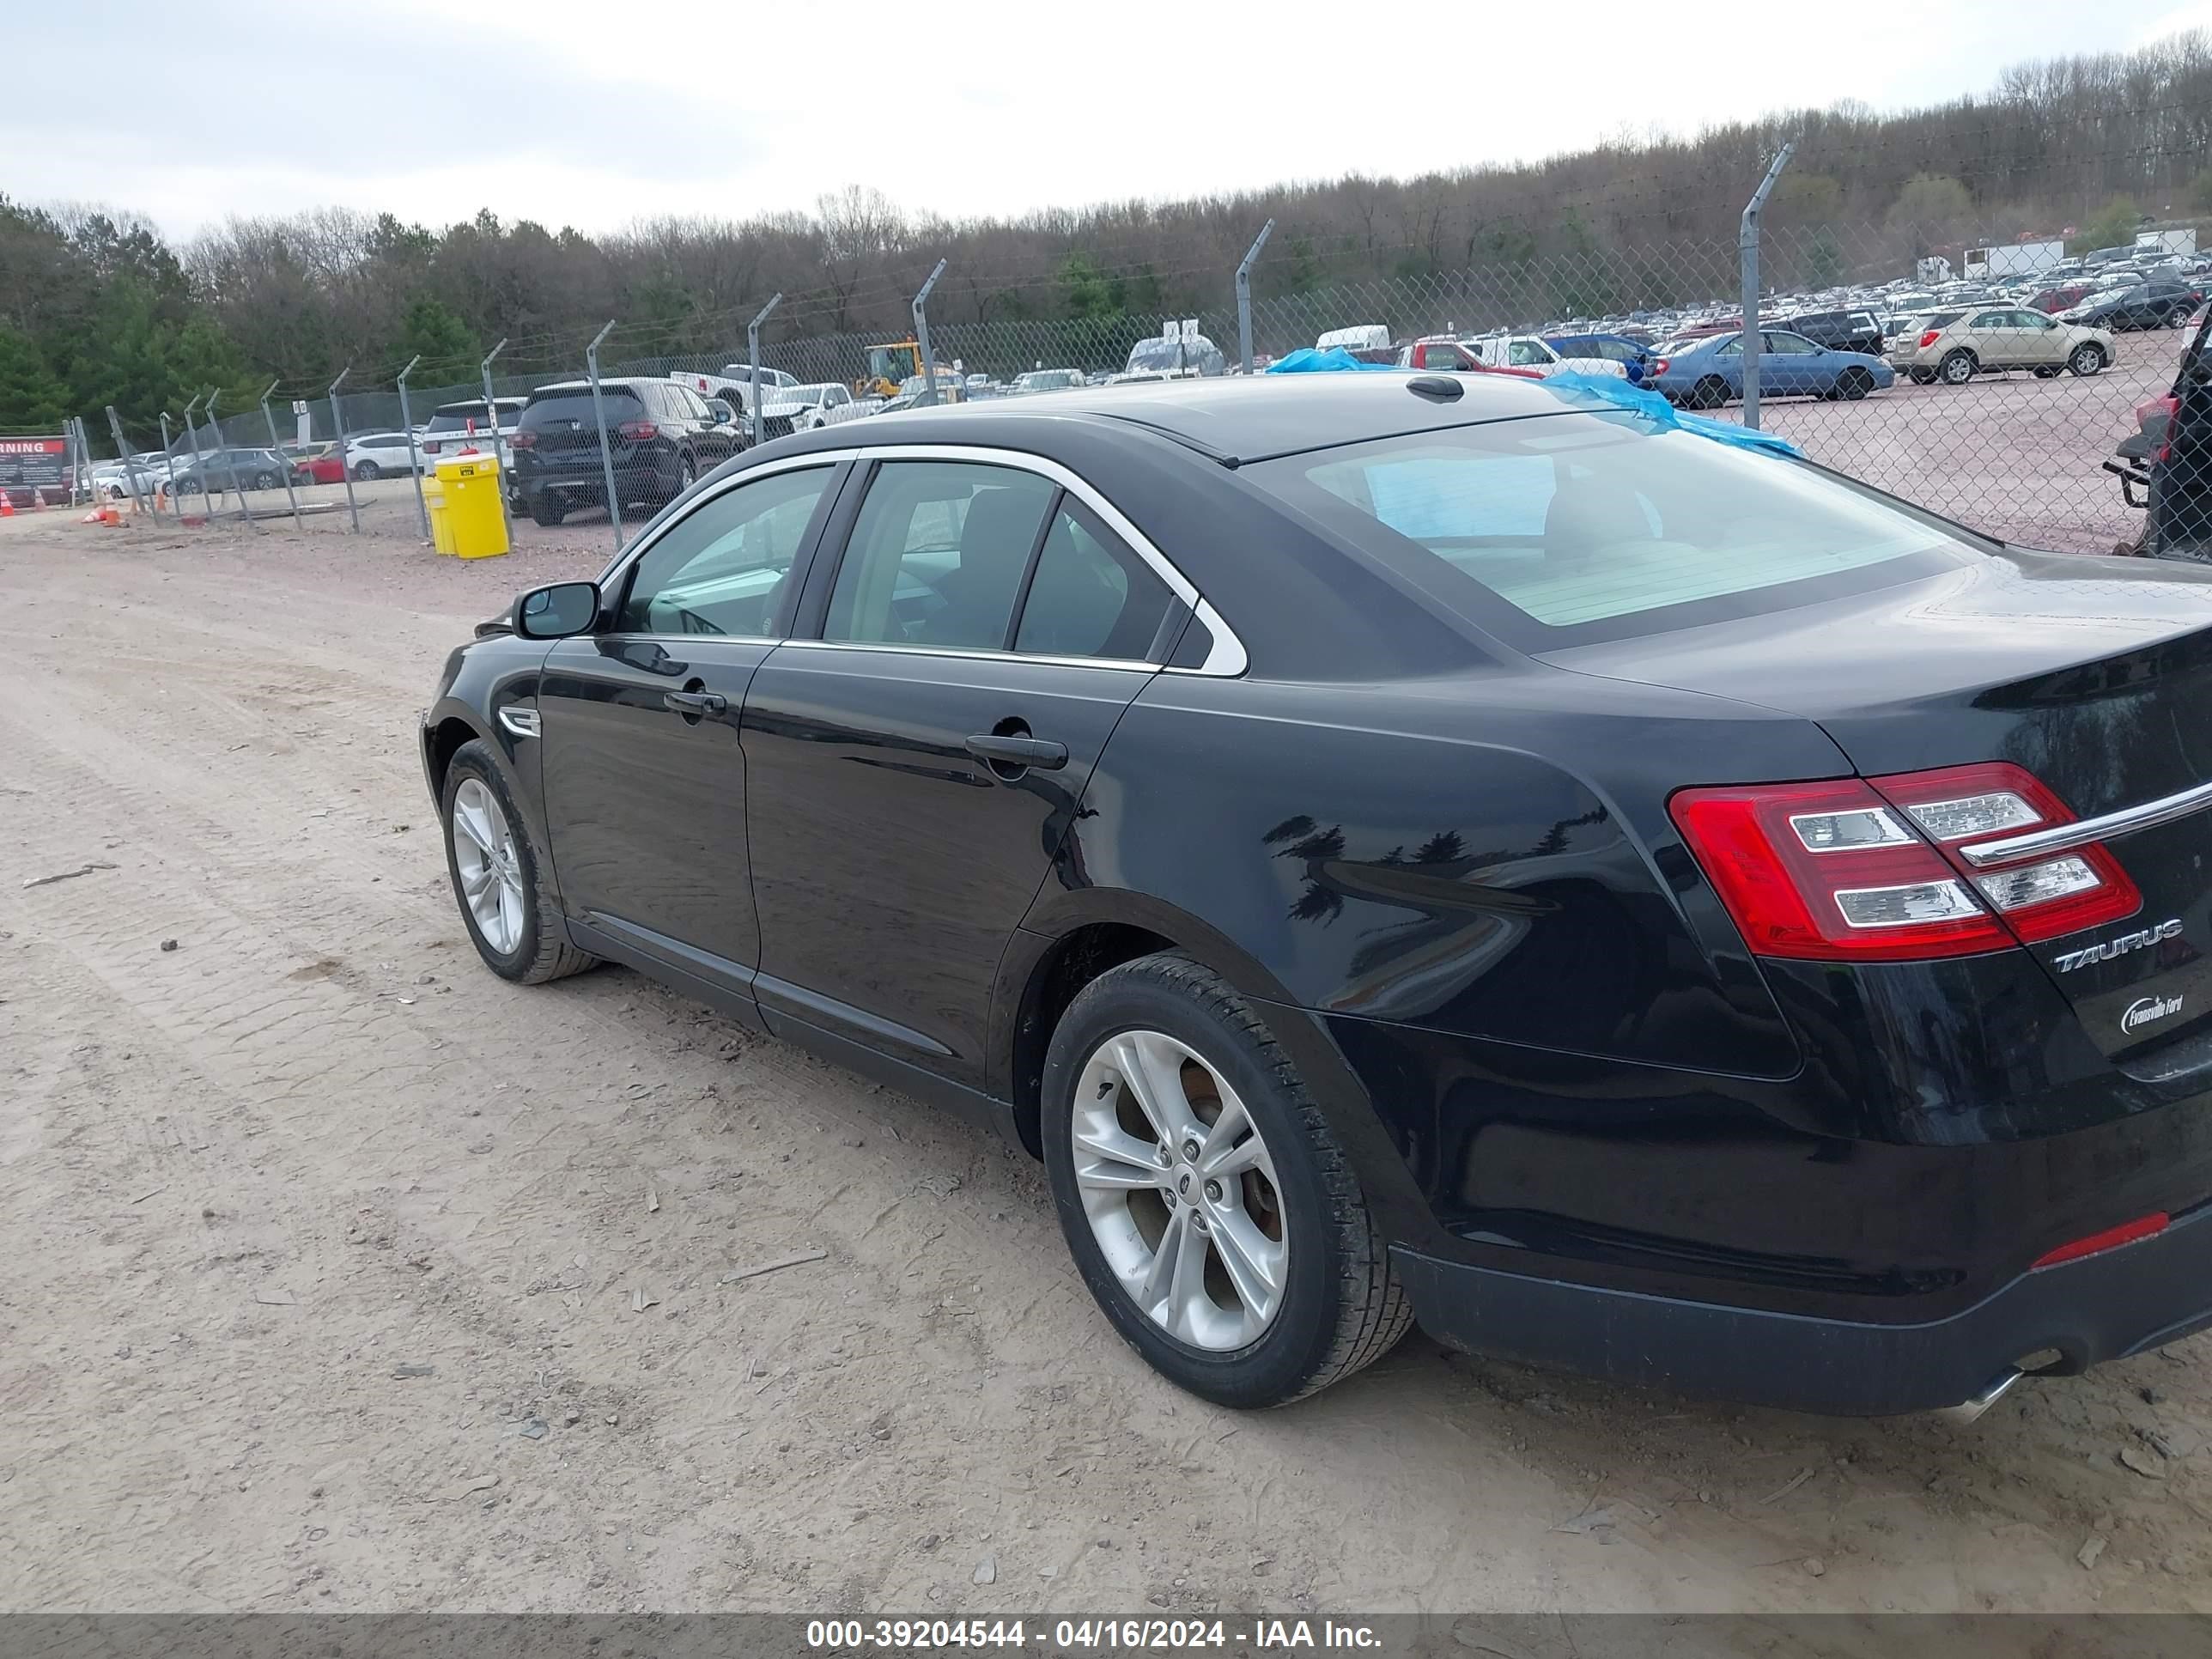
(1230, 418)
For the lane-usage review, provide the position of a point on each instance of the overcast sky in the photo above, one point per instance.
(596, 114)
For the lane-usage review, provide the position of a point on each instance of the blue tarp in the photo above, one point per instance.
(1307, 360)
(1584, 390)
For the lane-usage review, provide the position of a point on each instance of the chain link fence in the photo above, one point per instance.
(1986, 380)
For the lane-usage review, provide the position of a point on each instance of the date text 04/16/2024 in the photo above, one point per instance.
(1087, 1636)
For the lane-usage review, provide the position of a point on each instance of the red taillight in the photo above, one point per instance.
(1659, 367)
(429, 446)
(2111, 1239)
(1859, 870)
(524, 440)
(1929, 338)
(637, 429)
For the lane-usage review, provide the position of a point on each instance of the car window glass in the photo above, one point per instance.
(938, 553)
(720, 568)
(1528, 354)
(1790, 345)
(1990, 319)
(1090, 596)
(1732, 347)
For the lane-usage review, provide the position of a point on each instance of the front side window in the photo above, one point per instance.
(1090, 596)
(938, 555)
(1554, 530)
(1528, 354)
(722, 567)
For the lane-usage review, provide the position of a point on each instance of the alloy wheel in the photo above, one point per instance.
(490, 866)
(1180, 1190)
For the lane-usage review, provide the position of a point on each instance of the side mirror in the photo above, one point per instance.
(720, 412)
(558, 612)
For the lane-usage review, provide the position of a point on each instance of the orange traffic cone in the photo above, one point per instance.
(7, 505)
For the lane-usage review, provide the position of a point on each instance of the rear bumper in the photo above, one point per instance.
(2124, 1302)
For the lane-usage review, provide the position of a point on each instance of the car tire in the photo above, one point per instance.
(548, 510)
(1853, 385)
(2085, 359)
(498, 875)
(1957, 367)
(2048, 371)
(1290, 1203)
(1709, 393)
(367, 472)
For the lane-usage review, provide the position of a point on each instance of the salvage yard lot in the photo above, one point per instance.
(344, 1275)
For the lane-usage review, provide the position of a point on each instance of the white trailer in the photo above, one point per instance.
(2181, 242)
(2012, 259)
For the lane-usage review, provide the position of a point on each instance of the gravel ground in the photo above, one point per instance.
(343, 1275)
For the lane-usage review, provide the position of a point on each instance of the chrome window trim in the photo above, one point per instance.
(1225, 660)
(2064, 837)
(974, 654)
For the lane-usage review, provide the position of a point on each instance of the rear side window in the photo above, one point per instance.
(1559, 530)
(938, 555)
(1090, 596)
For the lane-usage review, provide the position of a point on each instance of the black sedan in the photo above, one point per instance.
(1418, 847)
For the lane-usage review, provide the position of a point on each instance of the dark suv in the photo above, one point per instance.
(1841, 330)
(2175, 447)
(2158, 303)
(664, 437)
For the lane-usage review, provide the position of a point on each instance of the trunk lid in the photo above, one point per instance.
(567, 425)
(2094, 675)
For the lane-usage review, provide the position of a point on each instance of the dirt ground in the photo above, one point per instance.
(341, 1274)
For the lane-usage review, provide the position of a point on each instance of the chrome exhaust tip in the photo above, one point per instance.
(1969, 1409)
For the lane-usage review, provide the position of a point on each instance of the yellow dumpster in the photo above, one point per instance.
(441, 524)
(475, 514)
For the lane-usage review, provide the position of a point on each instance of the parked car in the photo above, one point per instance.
(373, 455)
(1840, 330)
(1629, 903)
(664, 437)
(227, 469)
(453, 428)
(1048, 379)
(1706, 371)
(1995, 338)
(1158, 358)
(1458, 356)
(2052, 300)
(802, 408)
(315, 463)
(1529, 351)
(742, 372)
(2160, 304)
(1632, 356)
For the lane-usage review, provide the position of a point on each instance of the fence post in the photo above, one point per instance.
(70, 459)
(230, 468)
(752, 361)
(413, 455)
(277, 450)
(130, 463)
(491, 414)
(921, 335)
(1244, 295)
(199, 471)
(606, 449)
(1751, 342)
(338, 420)
(168, 467)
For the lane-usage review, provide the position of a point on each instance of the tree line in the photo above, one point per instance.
(96, 307)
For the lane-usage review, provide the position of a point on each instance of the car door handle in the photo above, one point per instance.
(1039, 752)
(697, 703)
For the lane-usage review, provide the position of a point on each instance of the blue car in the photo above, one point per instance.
(1633, 355)
(1708, 372)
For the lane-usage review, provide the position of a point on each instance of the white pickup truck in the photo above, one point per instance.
(1527, 351)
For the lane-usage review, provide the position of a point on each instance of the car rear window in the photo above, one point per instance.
(1563, 529)
(621, 402)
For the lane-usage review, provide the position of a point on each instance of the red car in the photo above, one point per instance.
(315, 463)
(1443, 352)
